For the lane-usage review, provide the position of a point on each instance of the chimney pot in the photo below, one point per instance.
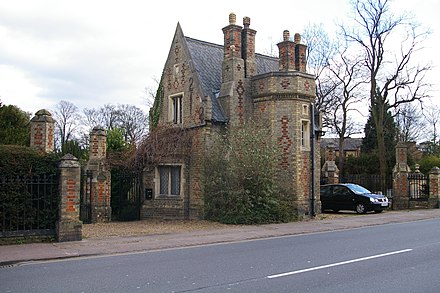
(232, 18)
(286, 35)
(246, 21)
(297, 38)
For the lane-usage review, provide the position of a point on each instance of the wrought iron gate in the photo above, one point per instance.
(126, 195)
(418, 187)
(86, 197)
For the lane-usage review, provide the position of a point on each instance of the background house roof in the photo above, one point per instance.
(350, 144)
(207, 58)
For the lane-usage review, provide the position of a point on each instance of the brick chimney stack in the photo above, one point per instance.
(300, 54)
(233, 64)
(292, 54)
(286, 53)
(248, 48)
(232, 38)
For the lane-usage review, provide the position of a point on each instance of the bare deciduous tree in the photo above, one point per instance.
(432, 118)
(346, 96)
(66, 121)
(131, 119)
(320, 51)
(394, 78)
(134, 121)
(410, 123)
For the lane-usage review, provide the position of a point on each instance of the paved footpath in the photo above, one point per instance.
(13, 254)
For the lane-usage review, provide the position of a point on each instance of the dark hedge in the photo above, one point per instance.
(24, 161)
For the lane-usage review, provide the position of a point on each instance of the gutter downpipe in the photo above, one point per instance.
(312, 149)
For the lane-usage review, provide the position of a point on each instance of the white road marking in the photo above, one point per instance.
(338, 264)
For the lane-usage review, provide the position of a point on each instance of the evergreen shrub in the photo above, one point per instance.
(241, 184)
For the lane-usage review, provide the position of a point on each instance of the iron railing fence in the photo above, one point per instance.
(418, 188)
(374, 182)
(28, 205)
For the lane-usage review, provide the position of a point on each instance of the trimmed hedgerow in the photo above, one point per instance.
(19, 160)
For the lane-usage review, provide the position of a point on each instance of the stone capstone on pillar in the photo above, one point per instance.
(42, 131)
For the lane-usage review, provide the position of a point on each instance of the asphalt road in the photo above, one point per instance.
(402, 257)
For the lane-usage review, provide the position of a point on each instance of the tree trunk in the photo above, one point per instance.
(341, 155)
(379, 117)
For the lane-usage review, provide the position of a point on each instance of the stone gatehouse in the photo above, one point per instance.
(207, 87)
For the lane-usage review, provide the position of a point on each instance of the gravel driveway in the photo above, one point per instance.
(146, 227)
(150, 227)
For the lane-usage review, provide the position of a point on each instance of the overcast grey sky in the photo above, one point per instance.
(94, 52)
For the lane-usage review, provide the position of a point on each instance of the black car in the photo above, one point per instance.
(351, 197)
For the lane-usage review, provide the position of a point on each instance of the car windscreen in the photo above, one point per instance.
(358, 189)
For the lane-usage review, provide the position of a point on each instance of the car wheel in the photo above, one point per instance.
(360, 208)
(378, 211)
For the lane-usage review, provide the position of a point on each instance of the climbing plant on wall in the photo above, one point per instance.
(157, 106)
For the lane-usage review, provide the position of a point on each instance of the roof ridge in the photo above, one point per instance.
(204, 42)
(221, 46)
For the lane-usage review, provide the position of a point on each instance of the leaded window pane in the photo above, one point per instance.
(175, 180)
(164, 179)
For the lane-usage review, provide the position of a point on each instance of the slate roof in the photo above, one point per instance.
(207, 58)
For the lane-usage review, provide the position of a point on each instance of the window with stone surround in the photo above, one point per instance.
(169, 183)
(175, 109)
(305, 134)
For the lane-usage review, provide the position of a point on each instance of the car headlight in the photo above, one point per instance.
(373, 199)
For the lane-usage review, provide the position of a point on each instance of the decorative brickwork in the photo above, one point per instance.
(240, 105)
(285, 142)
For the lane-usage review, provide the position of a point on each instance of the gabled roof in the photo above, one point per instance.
(207, 59)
